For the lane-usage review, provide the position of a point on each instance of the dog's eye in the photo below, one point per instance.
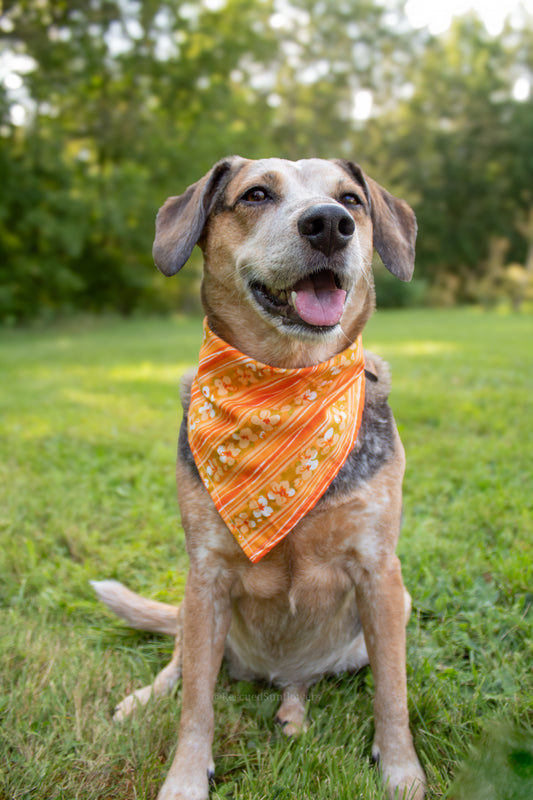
(351, 199)
(255, 195)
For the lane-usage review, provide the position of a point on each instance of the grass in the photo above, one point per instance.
(89, 414)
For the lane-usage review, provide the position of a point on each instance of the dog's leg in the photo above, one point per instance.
(383, 604)
(163, 684)
(291, 713)
(206, 621)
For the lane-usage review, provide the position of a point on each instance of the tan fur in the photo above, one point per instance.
(330, 596)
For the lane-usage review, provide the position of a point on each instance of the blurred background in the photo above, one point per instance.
(109, 106)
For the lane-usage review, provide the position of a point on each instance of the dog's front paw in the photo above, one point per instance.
(406, 783)
(190, 775)
(404, 780)
(176, 789)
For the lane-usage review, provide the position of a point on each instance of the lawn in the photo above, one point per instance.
(89, 415)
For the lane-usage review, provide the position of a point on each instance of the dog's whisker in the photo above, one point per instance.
(348, 340)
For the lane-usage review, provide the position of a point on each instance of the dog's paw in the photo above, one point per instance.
(191, 772)
(132, 702)
(292, 717)
(404, 781)
(191, 793)
(292, 727)
(176, 789)
(404, 785)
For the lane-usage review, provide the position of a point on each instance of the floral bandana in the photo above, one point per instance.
(269, 441)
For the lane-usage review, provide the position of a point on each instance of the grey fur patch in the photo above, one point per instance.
(373, 448)
(184, 448)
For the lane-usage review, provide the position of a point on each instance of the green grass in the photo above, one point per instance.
(89, 415)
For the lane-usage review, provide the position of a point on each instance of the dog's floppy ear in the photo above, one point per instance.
(394, 225)
(394, 231)
(180, 221)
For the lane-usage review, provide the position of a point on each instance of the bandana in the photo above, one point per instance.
(269, 441)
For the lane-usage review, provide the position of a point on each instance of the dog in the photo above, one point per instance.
(288, 286)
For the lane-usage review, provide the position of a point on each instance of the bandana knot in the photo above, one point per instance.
(268, 441)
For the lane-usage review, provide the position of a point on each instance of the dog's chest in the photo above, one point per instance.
(298, 572)
(292, 619)
(314, 566)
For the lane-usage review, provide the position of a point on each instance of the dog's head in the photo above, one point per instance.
(288, 252)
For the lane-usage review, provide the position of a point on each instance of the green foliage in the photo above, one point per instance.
(111, 137)
(127, 103)
(500, 766)
(89, 415)
(461, 146)
(392, 293)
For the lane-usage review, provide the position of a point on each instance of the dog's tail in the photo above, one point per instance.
(147, 615)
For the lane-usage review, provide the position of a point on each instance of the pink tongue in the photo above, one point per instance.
(318, 301)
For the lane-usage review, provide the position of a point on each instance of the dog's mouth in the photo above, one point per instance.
(316, 300)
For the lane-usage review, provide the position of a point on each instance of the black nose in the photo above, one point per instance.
(327, 227)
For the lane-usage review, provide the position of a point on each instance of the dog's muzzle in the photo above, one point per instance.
(317, 300)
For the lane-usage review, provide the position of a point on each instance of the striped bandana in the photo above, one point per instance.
(269, 441)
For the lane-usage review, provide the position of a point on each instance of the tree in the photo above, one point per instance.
(460, 147)
(130, 102)
(118, 123)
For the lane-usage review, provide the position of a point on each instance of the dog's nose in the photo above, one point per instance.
(327, 227)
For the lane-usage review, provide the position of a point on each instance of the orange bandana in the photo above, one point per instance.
(269, 441)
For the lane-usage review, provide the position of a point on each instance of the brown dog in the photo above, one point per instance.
(287, 281)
